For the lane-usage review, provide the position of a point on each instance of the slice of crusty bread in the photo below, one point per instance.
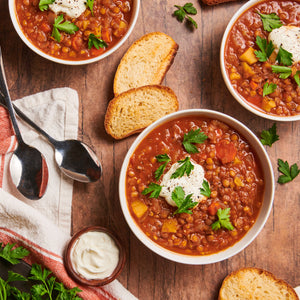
(133, 110)
(145, 62)
(255, 284)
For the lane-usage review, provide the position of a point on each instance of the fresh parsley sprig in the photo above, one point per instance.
(13, 255)
(193, 137)
(184, 204)
(161, 158)
(297, 78)
(223, 220)
(90, 5)
(183, 12)
(205, 190)
(284, 72)
(96, 42)
(66, 26)
(270, 21)
(44, 4)
(289, 173)
(269, 88)
(269, 137)
(266, 49)
(154, 189)
(185, 168)
(284, 57)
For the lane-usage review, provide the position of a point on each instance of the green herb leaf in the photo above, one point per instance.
(154, 189)
(289, 173)
(269, 88)
(268, 137)
(37, 291)
(44, 4)
(66, 26)
(193, 137)
(284, 57)
(12, 276)
(182, 11)
(13, 255)
(284, 72)
(270, 21)
(96, 42)
(19, 295)
(38, 273)
(296, 77)
(161, 158)
(186, 167)
(223, 220)
(205, 190)
(183, 203)
(65, 294)
(265, 47)
(90, 5)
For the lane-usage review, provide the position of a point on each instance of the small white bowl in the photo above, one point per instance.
(264, 210)
(233, 92)
(13, 16)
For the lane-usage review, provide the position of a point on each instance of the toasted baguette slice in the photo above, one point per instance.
(133, 110)
(145, 62)
(255, 284)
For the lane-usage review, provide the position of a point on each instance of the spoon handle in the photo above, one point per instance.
(6, 96)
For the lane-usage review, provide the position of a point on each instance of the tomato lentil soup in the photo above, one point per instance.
(109, 21)
(232, 170)
(247, 78)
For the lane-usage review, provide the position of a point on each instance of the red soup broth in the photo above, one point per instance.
(236, 183)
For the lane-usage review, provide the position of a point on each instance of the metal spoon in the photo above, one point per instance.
(74, 158)
(28, 167)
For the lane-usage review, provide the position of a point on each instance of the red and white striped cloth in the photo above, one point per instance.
(28, 227)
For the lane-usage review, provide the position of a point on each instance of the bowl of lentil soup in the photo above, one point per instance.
(260, 60)
(218, 175)
(74, 32)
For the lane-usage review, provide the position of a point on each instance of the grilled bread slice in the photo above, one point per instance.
(255, 284)
(145, 62)
(133, 110)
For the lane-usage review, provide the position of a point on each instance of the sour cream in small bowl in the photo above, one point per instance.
(94, 256)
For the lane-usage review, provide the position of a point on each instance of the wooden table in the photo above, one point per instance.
(196, 79)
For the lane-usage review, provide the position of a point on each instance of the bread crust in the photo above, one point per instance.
(161, 68)
(214, 2)
(237, 276)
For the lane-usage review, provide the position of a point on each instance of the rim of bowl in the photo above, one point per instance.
(233, 92)
(94, 282)
(14, 19)
(264, 210)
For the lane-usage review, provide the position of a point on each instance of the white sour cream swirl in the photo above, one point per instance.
(95, 255)
(73, 8)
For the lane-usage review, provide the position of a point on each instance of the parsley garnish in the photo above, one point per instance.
(284, 57)
(268, 137)
(161, 158)
(96, 42)
(44, 4)
(90, 5)
(205, 190)
(154, 189)
(270, 21)
(183, 203)
(13, 255)
(265, 47)
(284, 72)
(67, 27)
(223, 220)
(186, 167)
(296, 77)
(289, 173)
(193, 137)
(269, 88)
(182, 12)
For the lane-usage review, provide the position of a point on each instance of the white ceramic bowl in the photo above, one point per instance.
(233, 92)
(264, 211)
(12, 12)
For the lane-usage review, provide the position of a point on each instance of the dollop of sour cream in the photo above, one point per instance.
(288, 37)
(190, 184)
(73, 8)
(95, 255)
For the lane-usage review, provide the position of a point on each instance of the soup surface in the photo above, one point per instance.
(254, 76)
(231, 170)
(107, 22)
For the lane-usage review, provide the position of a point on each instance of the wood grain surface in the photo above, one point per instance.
(196, 79)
